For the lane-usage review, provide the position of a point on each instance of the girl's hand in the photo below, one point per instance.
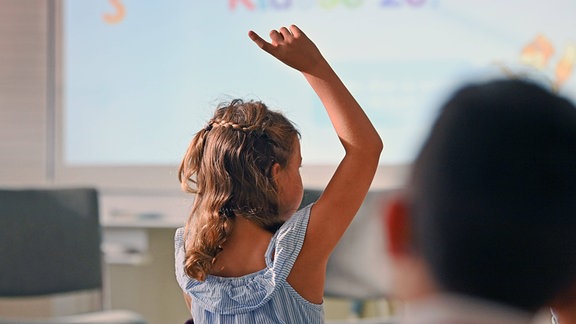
(291, 47)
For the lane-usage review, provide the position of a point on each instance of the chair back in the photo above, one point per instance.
(49, 241)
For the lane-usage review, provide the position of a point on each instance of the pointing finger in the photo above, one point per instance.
(259, 41)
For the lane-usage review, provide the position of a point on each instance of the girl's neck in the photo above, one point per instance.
(244, 250)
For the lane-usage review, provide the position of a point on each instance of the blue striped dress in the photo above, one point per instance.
(260, 297)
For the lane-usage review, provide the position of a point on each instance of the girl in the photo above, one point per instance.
(246, 255)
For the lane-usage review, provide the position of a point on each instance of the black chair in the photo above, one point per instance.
(50, 246)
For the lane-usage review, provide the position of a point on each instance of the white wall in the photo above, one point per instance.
(24, 72)
(26, 148)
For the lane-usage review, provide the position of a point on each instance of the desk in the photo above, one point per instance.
(127, 219)
(138, 246)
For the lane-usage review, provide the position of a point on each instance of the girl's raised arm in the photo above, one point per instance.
(347, 188)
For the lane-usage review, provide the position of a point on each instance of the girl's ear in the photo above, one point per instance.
(275, 170)
(397, 227)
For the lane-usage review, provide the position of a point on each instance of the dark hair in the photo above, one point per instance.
(492, 194)
(228, 167)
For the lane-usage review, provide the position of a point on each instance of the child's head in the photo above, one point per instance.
(229, 166)
(492, 194)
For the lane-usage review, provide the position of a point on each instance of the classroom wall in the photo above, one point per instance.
(26, 148)
(24, 92)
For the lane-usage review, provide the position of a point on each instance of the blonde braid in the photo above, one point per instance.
(217, 122)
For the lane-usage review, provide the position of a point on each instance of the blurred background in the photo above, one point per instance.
(108, 93)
